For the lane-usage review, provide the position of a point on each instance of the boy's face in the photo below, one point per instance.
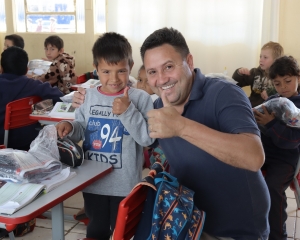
(8, 43)
(266, 59)
(287, 85)
(113, 77)
(52, 52)
(142, 82)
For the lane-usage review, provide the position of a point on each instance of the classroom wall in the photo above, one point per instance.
(79, 45)
(289, 30)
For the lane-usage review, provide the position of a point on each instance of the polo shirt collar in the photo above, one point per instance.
(198, 85)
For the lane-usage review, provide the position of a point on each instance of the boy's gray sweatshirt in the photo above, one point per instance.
(116, 139)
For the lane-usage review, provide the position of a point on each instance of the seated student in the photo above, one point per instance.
(13, 40)
(16, 85)
(62, 70)
(261, 86)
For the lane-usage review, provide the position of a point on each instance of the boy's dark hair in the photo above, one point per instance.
(166, 36)
(14, 60)
(286, 65)
(55, 41)
(112, 48)
(17, 40)
(141, 68)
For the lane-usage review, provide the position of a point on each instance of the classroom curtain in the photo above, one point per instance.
(221, 34)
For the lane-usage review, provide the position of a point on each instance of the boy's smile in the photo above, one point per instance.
(113, 77)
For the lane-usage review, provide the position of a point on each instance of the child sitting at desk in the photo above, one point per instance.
(113, 124)
(62, 70)
(15, 85)
(13, 40)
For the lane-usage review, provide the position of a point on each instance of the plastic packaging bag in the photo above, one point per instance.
(68, 97)
(40, 162)
(284, 109)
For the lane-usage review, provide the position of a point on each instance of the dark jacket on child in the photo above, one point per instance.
(14, 87)
(258, 82)
(280, 141)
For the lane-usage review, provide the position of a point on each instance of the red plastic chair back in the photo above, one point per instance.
(81, 79)
(17, 114)
(129, 213)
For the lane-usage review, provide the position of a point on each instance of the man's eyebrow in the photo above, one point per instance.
(153, 68)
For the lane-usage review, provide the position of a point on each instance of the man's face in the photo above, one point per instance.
(8, 43)
(168, 71)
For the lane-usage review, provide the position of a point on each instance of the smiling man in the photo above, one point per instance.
(207, 131)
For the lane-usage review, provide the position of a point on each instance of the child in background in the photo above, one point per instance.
(281, 143)
(261, 86)
(142, 83)
(156, 154)
(112, 122)
(13, 40)
(62, 70)
(15, 85)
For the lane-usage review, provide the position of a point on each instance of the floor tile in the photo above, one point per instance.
(290, 226)
(79, 228)
(74, 236)
(292, 207)
(36, 234)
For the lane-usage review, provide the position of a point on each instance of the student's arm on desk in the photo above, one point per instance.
(242, 150)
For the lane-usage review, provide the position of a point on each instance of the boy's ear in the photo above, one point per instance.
(61, 50)
(131, 66)
(95, 67)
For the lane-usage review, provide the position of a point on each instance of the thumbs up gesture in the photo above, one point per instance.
(121, 104)
(165, 122)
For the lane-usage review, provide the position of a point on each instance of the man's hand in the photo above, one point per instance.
(244, 71)
(165, 122)
(263, 118)
(121, 104)
(78, 97)
(63, 129)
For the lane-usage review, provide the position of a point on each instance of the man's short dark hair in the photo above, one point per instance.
(112, 48)
(55, 41)
(166, 36)
(17, 40)
(14, 60)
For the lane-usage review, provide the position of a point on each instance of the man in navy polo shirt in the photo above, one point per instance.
(208, 133)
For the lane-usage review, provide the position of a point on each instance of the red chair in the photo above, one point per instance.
(17, 114)
(84, 77)
(129, 214)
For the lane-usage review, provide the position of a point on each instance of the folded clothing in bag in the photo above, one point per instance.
(71, 154)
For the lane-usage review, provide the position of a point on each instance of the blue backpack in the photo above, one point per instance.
(169, 211)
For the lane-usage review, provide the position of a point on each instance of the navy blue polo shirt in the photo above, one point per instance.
(235, 200)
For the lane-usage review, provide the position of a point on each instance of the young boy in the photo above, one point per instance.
(113, 124)
(281, 144)
(15, 85)
(257, 78)
(62, 70)
(13, 40)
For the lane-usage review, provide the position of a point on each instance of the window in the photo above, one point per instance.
(2, 16)
(58, 16)
(100, 20)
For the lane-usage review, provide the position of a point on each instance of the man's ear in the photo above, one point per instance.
(190, 61)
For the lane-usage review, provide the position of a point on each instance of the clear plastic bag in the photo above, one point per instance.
(40, 162)
(284, 109)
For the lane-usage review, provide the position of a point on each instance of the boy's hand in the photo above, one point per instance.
(63, 129)
(264, 95)
(78, 97)
(121, 104)
(263, 118)
(244, 71)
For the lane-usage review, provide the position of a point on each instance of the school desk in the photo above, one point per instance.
(87, 173)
